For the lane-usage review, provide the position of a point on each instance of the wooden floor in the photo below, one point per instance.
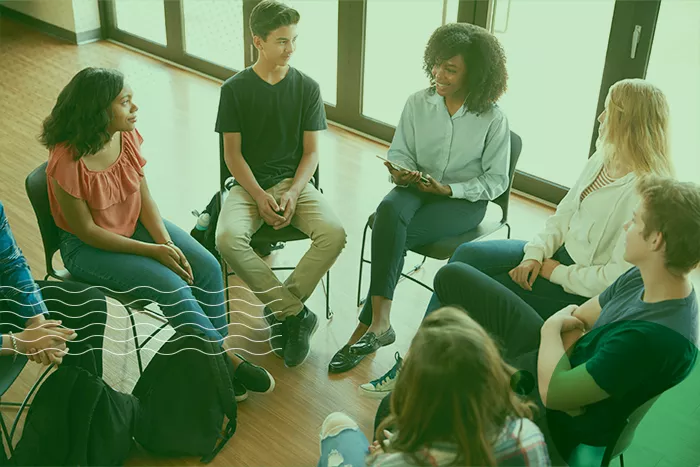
(176, 118)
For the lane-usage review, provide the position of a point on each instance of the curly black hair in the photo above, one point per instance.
(483, 56)
(83, 111)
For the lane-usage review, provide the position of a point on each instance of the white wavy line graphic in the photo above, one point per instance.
(137, 301)
(158, 352)
(88, 287)
(154, 338)
(52, 313)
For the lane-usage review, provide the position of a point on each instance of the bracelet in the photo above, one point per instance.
(169, 243)
(13, 339)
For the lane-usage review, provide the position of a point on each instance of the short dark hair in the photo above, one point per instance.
(483, 56)
(269, 15)
(83, 111)
(673, 209)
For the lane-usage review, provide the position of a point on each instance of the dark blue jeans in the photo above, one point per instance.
(495, 258)
(405, 219)
(201, 305)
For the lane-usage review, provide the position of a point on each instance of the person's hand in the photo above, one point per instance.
(169, 257)
(403, 177)
(564, 321)
(525, 273)
(269, 210)
(548, 268)
(45, 342)
(288, 204)
(183, 262)
(435, 187)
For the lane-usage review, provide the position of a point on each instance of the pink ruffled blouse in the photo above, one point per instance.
(113, 195)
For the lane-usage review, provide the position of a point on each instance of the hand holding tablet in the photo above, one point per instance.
(400, 168)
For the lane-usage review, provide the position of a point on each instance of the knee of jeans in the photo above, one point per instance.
(444, 276)
(335, 423)
(466, 253)
(388, 208)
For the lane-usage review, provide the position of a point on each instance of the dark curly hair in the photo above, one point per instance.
(269, 15)
(83, 112)
(483, 56)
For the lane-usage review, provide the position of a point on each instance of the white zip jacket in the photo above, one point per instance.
(592, 232)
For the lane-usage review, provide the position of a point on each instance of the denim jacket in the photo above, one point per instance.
(16, 283)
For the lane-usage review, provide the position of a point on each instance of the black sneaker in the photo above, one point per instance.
(239, 390)
(299, 329)
(278, 338)
(254, 377)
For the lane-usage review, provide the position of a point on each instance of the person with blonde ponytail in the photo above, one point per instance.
(453, 405)
(579, 253)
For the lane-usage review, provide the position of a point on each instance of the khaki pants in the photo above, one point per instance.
(240, 219)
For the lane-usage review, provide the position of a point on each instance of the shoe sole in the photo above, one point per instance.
(242, 397)
(272, 383)
(372, 394)
(313, 331)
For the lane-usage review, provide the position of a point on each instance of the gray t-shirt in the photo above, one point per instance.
(634, 351)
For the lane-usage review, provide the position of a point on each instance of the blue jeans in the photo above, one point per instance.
(201, 305)
(495, 258)
(342, 443)
(405, 219)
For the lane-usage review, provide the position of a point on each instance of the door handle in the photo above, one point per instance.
(636, 35)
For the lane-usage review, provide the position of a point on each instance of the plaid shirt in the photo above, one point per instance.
(520, 444)
(16, 283)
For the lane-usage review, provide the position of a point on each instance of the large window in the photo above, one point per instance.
(394, 53)
(674, 66)
(214, 31)
(144, 19)
(317, 45)
(367, 56)
(553, 85)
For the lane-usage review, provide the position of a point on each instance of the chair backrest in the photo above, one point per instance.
(627, 433)
(37, 189)
(516, 146)
(225, 174)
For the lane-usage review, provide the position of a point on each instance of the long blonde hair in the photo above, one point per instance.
(453, 387)
(635, 134)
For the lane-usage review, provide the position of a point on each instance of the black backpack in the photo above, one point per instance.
(185, 392)
(208, 237)
(77, 419)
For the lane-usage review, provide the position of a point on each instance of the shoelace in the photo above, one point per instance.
(391, 374)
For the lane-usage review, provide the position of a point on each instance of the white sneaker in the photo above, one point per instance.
(380, 387)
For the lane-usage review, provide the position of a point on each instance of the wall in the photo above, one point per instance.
(72, 15)
(56, 12)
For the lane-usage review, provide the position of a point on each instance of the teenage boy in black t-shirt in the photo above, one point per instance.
(270, 116)
(592, 365)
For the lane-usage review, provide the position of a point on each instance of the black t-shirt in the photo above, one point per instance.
(634, 351)
(271, 120)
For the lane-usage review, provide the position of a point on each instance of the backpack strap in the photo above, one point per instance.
(224, 385)
(86, 390)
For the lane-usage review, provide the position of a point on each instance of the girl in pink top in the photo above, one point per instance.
(112, 234)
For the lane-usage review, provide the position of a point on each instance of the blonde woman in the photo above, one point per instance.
(453, 405)
(579, 253)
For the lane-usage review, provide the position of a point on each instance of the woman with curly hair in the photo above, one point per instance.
(453, 405)
(455, 143)
(111, 232)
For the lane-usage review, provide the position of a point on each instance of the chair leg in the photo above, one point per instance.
(329, 313)
(224, 270)
(362, 261)
(6, 434)
(136, 338)
(622, 460)
(508, 230)
(25, 403)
